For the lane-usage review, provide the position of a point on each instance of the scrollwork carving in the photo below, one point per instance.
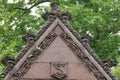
(78, 52)
(50, 38)
(34, 55)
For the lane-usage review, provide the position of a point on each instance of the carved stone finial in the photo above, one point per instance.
(56, 13)
(55, 7)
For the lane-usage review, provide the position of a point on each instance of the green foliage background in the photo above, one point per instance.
(98, 18)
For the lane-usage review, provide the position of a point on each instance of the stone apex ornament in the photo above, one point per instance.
(55, 7)
(56, 13)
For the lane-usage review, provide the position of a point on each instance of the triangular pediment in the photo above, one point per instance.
(48, 46)
(57, 52)
(65, 36)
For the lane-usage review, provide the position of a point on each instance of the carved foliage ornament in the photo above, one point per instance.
(36, 52)
(56, 13)
(78, 52)
(89, 49)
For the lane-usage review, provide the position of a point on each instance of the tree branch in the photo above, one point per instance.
(28, 9)
(23, 9)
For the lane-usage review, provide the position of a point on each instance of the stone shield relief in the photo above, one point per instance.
(59, 70)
